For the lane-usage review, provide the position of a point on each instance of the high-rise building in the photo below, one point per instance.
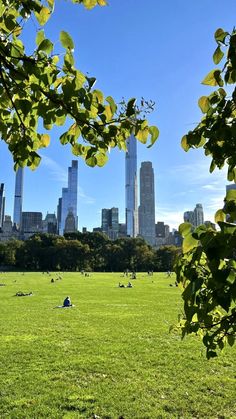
(147, 203)
(189, 217)
(2, 205)
(32, 222)
(160, 229)
(17, 214)
(50, 224)
(68, 203)
(70, 222)
(195, 217)
(110, 222)
(198, 215)
(131, 188)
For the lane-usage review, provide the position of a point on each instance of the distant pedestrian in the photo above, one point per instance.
(67, 302)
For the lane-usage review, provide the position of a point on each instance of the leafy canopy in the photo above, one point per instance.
(207, 269)
(41, 90)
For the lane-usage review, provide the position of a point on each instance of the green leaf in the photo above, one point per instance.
(218, 55)
(213, 78)
(154, 131)
(45, 140)
(219, 216)
(101, 159)
(204, 104)
(91, 161)
(184, 143)
(185, 229)
(130, 110)
(227, 228)
(142, 135)
(40, 37)
(43, 16)
(66, 40)
(189, 243)
(231, 195)
(220, 35)
(89, 4)
(112, 104)
(231, 339)
(46, 45)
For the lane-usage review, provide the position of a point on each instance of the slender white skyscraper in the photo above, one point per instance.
(17, 214)
(147, 203)
(131, 188)
(68, 203)
(2, 205)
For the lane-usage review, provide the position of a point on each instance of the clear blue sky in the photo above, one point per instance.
(157, 49)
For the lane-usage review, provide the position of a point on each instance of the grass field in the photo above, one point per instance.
(110, 356)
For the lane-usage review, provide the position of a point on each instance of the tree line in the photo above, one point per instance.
(86, 251)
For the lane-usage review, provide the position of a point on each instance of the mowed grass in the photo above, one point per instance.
(110, 356)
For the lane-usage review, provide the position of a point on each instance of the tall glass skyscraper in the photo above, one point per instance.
(131, 188)
(2, 204)
(68, 203)
(147, 203)
(17, 214)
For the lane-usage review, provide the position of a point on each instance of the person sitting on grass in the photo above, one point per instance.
(129, 285)
(67, 302)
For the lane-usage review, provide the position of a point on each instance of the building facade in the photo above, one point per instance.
(68, 202)
(131, 188)
(110, 222)
(198, 215)
(189, 217)
(50, 224)
(195, 217)
(147, 203)
(18, 199)
(32, 222)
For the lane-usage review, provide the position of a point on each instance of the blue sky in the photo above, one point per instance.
(160, 50)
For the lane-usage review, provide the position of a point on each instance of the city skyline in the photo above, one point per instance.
(146, 203)
(182, 179)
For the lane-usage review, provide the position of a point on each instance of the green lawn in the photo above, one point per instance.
(110, 356)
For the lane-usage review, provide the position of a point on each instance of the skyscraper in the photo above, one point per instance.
(68, 203)
(17, 214)
(2, 205)
(195, 217)
(147, 203)
(131, 189)
(189, 217)
(110, 222)
(198, 215)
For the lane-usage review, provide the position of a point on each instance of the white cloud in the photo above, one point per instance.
(172, 218)
(56, 171)
(85, 198)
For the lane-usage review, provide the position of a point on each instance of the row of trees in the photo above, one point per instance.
(89, 251)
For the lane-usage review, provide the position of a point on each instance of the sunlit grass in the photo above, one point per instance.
(111, 355)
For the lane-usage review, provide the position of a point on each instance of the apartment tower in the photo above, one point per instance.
(17, 213)
(131, 188)
(147, 203)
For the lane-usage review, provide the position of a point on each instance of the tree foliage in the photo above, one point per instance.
(207, 269)
(89, 251)
(40, 90)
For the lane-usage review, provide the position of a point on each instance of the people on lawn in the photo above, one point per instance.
(67, 302)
